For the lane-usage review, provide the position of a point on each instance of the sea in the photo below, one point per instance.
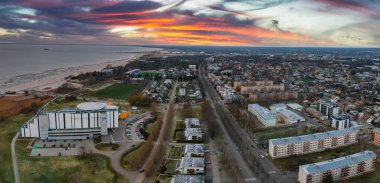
(23, 61)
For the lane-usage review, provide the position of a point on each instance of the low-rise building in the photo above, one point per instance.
(284, 147)
(190, 165)
(188, 179)
(192, 123)
(193, 150)
(263, 114)
(340, 121)
(289, 116)
(316, 114)
(339, 169)
(193, 134)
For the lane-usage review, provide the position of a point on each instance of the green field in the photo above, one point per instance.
(175, 152)
(90, 168)
(262, 137)
(117, 91)
(171, 166)
(8, 129)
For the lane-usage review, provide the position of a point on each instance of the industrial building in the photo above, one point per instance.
(340, 121)
(284, 147)
(340, 169)
(85, 121)
(328, 107)
(263, 114)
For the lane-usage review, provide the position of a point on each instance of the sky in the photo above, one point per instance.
(335, 23)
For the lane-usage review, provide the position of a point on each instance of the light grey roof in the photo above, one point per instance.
(192, 162)
(188, 179)
(192, 121)
(262, 111)
(338, 162)
(193, 132)
(196, 148)
(315, 136)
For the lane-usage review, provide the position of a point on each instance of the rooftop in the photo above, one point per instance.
(197, 148)
(188, 179)
(262, 111)
(192, 121)
(192, 162)
(193, 132)
(339, 162)
(315, 136)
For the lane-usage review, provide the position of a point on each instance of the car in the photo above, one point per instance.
(262, 156)
(142, 170)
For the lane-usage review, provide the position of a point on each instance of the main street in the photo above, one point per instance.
(248, 152)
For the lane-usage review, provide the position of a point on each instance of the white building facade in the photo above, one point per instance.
(341, 121)
(329, 108)
(263, 114)
(340, 169)
(284, 147)
(87, 120)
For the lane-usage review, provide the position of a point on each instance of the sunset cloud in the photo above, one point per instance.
(192, 22)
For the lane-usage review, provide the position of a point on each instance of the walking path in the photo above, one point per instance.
(14, 159)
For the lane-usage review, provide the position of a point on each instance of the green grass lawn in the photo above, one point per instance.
(90, 168)
(8, 129)
(127, 158)
(116, 91)
(175, 152)
(262, 137)
(171, 166)
(165, 179)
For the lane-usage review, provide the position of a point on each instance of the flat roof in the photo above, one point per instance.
(292, 116)
(338, 162)
(315, 136)
(91, 106)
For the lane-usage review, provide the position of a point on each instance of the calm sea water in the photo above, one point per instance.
(17, 59)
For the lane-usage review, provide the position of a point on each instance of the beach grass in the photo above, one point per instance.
(90, 168)
(117, 91)
(8, 129)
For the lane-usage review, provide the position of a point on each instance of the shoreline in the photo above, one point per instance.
(52, 79)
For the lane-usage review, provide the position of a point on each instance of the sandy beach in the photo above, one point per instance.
(54, 78)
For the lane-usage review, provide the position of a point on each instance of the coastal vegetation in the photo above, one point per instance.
(8, 128)
(87, 168)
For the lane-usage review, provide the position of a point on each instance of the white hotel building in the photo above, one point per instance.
(86, 121)
(340, 169)
(284, 147)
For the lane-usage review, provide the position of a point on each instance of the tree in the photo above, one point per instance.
(153, 108)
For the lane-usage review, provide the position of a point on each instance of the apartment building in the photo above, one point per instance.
(376, 136)
(266, 117)
(340, 121)
(328, 107)
(316, 114)
(340, 169)
(284, 147)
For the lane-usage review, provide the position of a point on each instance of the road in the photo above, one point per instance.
(245, 171)
(248, 151)
(14, 159)
(142, 176)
